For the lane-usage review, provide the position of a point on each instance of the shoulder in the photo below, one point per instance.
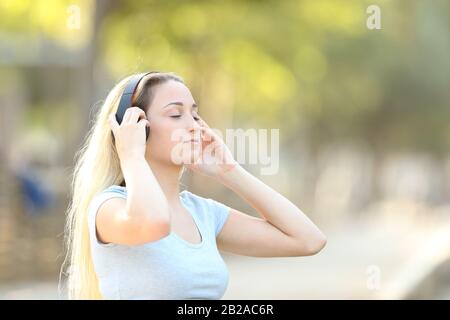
(98, 202)
(201, 200)
(196, 199)
(115, 189)
(214, 211)
(110, 192)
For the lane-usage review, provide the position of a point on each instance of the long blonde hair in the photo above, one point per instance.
(97, 167)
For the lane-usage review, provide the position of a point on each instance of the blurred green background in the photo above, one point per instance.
(363, 118)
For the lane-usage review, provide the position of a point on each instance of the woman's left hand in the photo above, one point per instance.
(215, 157)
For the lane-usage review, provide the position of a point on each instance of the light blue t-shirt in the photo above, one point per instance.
(168, 268)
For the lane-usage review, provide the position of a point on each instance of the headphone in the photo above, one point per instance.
(126, 100)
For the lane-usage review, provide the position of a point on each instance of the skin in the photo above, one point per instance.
(282, 230)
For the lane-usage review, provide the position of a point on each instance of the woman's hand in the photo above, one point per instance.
(129, 136)
(216, 158)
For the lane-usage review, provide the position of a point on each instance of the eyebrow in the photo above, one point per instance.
(178, 103)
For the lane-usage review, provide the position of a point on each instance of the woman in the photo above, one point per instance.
(131, 233)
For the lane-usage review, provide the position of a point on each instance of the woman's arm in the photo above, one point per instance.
(143, 206)
(144, 216)
(284, 229)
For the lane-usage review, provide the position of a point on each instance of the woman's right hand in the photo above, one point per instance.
(129, 136)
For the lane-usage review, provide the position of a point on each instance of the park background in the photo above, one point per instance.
(363, 117)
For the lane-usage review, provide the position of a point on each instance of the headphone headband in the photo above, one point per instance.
(126, 100)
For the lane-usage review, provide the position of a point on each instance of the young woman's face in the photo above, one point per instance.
(173, 117)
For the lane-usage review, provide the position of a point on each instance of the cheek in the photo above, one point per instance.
(164, 134)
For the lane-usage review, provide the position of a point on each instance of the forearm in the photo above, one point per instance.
(271, 205)
(146, 202)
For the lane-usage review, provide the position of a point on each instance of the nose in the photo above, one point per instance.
(193, 127)
(190, 128)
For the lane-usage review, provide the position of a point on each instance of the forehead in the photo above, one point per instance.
(171, 91)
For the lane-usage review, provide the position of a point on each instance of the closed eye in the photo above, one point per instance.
(178, 116)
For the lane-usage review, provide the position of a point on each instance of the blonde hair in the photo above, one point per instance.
(97, 167)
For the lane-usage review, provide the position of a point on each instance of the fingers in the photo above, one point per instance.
(144, 122)
(132, 114)
(113, 122)
(206, 130)
(135, 114)
(126, 116)
(209, 134)
(203, 122)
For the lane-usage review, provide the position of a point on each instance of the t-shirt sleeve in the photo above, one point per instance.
(220, 214)
(95, 204)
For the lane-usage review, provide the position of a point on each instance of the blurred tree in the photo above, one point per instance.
(308, 65)
(305, 64)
